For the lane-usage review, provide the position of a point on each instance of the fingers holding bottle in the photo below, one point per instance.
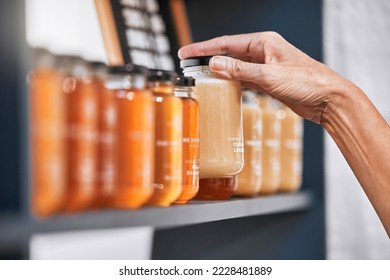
(267, 62)
(247, 47)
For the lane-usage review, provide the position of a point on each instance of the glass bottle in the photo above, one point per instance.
(190, 140)
(47, 136)
(271, 146)
(82, 108)
(107, 138)
(221, 146)
(168, 138)
(249, 179)
(135, 136)
(291, 149)
(221, 132)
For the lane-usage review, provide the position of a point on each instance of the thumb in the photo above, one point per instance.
(231, 68)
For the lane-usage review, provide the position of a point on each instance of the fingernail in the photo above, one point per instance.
(218, 63)
(179, 54)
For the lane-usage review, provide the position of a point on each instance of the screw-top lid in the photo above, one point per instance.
(128, 69)
(183, 81)
(156, 75)
(96, 64)
(195, 61)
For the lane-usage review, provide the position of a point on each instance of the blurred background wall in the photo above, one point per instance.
(356, 45)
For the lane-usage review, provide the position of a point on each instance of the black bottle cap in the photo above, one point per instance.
(195, 61)
(183, 81)
(128, 69)
(156, 75)
(96, 64)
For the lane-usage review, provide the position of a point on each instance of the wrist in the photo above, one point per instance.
(342, 104)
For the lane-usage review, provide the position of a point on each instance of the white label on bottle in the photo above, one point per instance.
(253, 142)
(238, 144)
(293, 144)
(272, 143)
(167, 143)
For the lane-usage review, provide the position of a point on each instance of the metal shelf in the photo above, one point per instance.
(14, 228)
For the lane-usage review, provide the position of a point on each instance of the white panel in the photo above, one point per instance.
(68, 27)
(115, 244)
(357, 45)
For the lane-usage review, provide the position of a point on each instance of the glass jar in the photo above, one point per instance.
(291, 149)
(190, 140)
(221, 145)
(271, 146)
(47, 136)
(82, 138)
(168, 138)
(107, 138)
(249, 179)
(135, 136)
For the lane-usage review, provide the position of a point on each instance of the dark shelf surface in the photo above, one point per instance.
(14, 227)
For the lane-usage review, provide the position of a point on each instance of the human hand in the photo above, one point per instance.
(267, 62)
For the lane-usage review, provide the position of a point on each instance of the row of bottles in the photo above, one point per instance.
(116, 137)
(125, 136)
(232, 121)
(273, 147)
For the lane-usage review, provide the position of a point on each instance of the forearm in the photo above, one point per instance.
(363, 137)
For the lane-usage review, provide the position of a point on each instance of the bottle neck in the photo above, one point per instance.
(182, 91)
(159, 87)
(125, 82)
(249, 97)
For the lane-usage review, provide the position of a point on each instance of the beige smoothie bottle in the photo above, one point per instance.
(291, 149)
(249, 179)
(271, 146)
(221, 132)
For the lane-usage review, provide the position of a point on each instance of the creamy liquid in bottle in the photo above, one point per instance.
(249, 179)
(271, 147)
(291, 150)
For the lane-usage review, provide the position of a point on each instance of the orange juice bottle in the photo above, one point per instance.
(107, 141)
(270, 146)
(190, 139)
(135, 136)
(168, 139)
(48, 143)
(82, 139)
(291, 149)
(249, 180)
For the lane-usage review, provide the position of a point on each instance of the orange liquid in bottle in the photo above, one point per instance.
(107, 147)
(190, 171)
(83, 144)
(217, 188)
(135, 148)
(48, 143)
(168, 141)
